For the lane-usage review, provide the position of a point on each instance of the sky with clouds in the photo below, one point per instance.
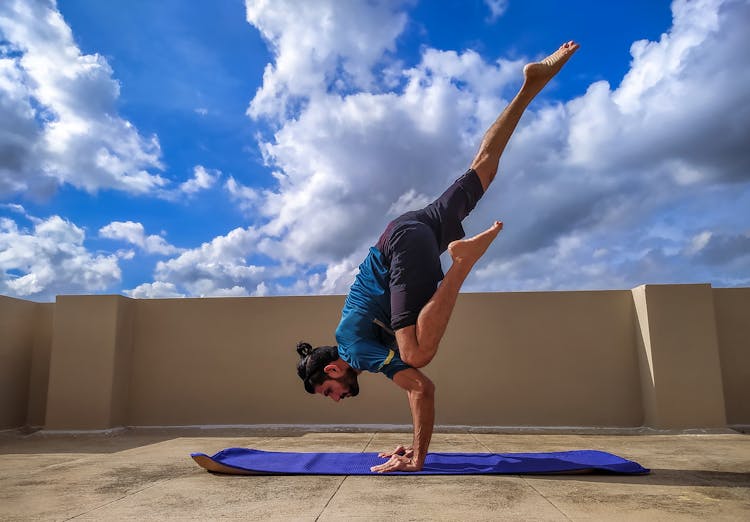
(171, 149)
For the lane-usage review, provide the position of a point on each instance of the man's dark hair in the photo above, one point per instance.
(310, 367)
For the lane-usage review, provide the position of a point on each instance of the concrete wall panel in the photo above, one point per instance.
(539, 359)
(732, 307)
(16, 346)
(682, 354)
(233, 361)
(83, 362)
(39, 373)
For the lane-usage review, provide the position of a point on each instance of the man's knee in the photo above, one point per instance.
(485, 165)
(423, 386)
(419, 357)
(427, 388)
(412, 353)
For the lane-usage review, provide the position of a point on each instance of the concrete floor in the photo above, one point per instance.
(147, 474)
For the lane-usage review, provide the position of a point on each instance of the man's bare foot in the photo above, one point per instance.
(470, 250)
(539, 73)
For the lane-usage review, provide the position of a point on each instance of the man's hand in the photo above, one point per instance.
(398, 463)
(400, 450)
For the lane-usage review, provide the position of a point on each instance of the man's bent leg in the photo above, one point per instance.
(418, 343)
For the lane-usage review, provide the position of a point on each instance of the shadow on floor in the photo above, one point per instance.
(27, 442)
(664, 477)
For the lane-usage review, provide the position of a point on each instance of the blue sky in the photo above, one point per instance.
(166, 149)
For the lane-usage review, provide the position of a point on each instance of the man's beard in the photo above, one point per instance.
(349, 380)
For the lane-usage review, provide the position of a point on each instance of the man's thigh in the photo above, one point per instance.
(414, 272)
(453, 206)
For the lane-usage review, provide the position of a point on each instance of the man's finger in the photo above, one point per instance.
(383, 467)
(400, 450)
(396, 463)
(394, 467)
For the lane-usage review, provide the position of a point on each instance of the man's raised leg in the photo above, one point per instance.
(536, 76)
(418, 343)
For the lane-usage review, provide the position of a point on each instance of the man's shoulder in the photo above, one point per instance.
(362, 353)
(372, 356)
(352, 326)
(368, 299)
(370, 288)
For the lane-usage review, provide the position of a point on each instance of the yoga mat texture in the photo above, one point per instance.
(244, 461)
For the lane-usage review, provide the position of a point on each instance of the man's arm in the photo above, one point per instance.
(421, 393)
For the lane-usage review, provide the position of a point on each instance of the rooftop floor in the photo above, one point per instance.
(147, 474)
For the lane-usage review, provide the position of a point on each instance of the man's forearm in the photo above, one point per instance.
(422, 406)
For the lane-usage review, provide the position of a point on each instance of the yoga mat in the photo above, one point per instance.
(244, 461)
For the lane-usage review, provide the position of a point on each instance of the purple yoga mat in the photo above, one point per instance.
(256, 462)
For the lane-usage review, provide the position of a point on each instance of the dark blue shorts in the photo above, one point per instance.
(412, 244)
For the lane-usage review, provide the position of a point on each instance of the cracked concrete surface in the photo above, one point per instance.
(147, 474)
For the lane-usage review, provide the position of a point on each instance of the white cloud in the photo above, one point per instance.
(667, 109)
(202, 179)
(338, 276)
(320, 42)
(727, 249)
(135, 234)
(218, 267)
(14, 207)
(496, 7)
(246, 197)
(58, 112)
(224, 267)
(154, 290)
(410, 200)
(261, 290)
(698, 242)
(51, 259)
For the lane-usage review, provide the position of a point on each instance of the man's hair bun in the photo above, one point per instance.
(312, 363)
(304, 349)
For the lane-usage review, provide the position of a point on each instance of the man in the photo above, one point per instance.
(395, 313)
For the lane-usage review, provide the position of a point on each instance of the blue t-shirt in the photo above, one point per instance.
(362, 343)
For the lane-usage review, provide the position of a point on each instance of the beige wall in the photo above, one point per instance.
(681, 382)
(16, 344)
(661, 355)
(39, 371)
(732, 307)
(89, 363)
(507, 359)
(539, 359)
(25, 334)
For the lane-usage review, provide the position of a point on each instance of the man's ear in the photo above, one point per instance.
(333, 371)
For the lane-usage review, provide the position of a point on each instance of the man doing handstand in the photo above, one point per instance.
(396, 313)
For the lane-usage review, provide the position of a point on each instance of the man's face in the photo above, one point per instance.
(337, 389)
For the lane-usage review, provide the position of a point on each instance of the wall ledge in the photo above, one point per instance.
(301, 429)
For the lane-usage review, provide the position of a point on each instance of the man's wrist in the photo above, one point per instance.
(419, 457)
